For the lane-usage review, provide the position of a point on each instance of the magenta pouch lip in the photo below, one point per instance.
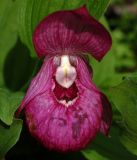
(49, 119)
(64, 109)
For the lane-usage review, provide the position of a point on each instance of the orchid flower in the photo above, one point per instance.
(64, 109)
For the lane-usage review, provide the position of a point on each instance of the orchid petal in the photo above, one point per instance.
(107, 111)
(39, 84)
(58, 126)
(71, 32)
(61, 128)
(107, 115)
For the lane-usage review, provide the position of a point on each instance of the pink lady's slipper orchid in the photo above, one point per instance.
(64, 109)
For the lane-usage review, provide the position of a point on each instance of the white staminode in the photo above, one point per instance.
(66, 73)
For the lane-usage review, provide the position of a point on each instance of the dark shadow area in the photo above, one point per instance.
(4, 125)
(18, 67)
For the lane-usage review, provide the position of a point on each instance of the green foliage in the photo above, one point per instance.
(8, 30)
(125, 22)
(108, 148)
(9, 136)
(107, 65)
(124, 55)
(10, 128)
(9, 102)
(124, 96)
(97, 8)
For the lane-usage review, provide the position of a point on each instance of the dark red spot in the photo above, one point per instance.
(32, 125)
(76, 129)
(79, 117)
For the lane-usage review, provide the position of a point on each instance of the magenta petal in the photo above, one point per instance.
(40, 83)
(107, 115)
(53, 124)
(107, 111)
(61, 128)
(71, 32)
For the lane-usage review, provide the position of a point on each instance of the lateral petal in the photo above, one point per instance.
(107, 115)
(40, 83)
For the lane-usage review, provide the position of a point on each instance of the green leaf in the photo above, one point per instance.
(32, 11)
(107, 65)
(9, 136)
(8, 30)
(9, 102)
(98, 7)
(124, 97)
(108, 148)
